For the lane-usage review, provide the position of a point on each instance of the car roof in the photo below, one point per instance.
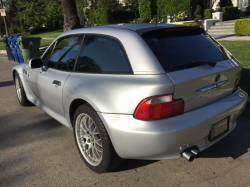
(142, 27)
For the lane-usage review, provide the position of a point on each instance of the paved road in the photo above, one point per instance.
(36, 150)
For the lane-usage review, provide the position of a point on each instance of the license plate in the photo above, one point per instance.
(218, 129)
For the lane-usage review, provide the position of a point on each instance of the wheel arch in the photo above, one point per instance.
(73, 106)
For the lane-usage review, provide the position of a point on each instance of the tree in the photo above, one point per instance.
(38, 13)
(108, 4)
(71, 19)
(134, 4)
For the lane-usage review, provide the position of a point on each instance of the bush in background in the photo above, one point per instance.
(231, 13)
(101, 17)
(242, 27)
(208, 13)
(197, 14)
(192, 24)
(224, 3)
(173, 7)
(123, 14)
(248, 9)
(144, 10)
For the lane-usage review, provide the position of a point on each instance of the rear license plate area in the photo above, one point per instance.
(218, 129)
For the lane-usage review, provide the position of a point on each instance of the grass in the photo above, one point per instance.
(43, 43)
(50, 34)
(241, 51)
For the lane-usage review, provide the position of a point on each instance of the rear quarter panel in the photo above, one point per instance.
(119, 94)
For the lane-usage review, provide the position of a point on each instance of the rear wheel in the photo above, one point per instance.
(93, 142)
(21, 96)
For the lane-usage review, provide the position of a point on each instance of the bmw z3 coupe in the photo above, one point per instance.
(136, 91)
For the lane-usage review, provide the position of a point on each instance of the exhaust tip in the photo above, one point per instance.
(196, 152)
(189, 156)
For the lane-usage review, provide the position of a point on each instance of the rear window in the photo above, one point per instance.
(177, 49)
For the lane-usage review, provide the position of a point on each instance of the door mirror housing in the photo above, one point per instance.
(36, 63)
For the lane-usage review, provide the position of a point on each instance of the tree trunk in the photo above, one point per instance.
(71, 19)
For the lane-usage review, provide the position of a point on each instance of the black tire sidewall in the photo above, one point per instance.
(105, 162)
(23, 96)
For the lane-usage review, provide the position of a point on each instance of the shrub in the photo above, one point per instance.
(224, 3)
(181, 16)
(197, 14)
(242, 27)
(101, 17)
(173, 7)
(192, 24)
(123, 14)
(38, 30)
(139, 20)
(144, 10)
(208, 13)
(231, 13)
(248, 9)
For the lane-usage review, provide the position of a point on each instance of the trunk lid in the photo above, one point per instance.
(202, 85)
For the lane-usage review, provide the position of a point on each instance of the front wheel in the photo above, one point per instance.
(21, 96)
(93, 142)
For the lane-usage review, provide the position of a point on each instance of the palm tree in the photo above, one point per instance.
(71, 19)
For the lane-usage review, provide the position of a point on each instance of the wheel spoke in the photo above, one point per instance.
(99, 142)
(95, 131)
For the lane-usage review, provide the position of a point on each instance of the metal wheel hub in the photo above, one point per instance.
(18, 89)
(88, 139)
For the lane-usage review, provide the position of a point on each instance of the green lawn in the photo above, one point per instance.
(43, 43)
(241, 50)
(50, 34)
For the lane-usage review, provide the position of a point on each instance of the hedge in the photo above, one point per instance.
(101, 17)
(231, 13)
(173, 7)
(191, 24)
(242, 27)
(144, 10)
(208, 13)
(123, 14)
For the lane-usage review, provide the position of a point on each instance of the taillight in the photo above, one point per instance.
(237, 83)
(159, 107)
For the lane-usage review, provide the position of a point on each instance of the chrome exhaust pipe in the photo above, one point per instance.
(188, 155)
(196, 152)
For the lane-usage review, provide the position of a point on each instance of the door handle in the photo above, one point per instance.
(57, 83)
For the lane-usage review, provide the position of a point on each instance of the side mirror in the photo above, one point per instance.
(36, 63)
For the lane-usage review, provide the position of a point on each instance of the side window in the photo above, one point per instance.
(65, 52)
(47, 55)
(100, 54)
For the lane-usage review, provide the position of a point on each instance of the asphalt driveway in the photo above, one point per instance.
(36, 150)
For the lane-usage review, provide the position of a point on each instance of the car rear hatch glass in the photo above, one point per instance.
(181, 52)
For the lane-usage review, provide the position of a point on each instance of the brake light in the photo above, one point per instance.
(159, 107)
(237, 83)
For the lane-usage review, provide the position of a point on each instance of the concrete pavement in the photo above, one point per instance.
(36, 150)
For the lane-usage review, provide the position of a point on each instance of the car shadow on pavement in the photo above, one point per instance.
(6, 83)
(234, 145)
(133, 164)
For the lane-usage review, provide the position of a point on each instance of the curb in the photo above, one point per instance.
(3, 52)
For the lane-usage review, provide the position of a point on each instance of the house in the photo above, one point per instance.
(242, 4)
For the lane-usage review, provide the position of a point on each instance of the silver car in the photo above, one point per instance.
(136, 91)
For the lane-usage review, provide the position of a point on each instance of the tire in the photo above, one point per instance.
(93, 142)
(21, 95)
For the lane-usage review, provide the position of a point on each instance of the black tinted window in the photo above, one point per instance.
(65, 52)
(100, 54)
(47, 55)
(172, 51)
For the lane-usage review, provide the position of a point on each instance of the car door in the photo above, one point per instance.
(47, 85)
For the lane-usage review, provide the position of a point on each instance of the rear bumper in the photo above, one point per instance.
(167, 138)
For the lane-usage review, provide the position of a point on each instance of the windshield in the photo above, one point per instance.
(177, 50)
